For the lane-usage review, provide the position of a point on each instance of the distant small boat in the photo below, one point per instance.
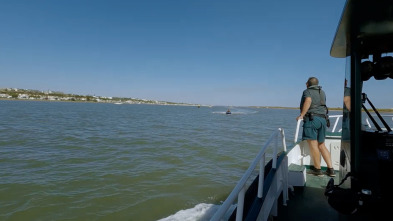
(228, 112)
(118, 103)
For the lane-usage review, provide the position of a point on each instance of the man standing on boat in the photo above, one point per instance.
(313, 111)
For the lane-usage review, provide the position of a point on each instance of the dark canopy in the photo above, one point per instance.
(368, 20)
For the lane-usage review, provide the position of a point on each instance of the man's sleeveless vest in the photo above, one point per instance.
(318, 104)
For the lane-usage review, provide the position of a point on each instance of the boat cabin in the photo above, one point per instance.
(365, 38)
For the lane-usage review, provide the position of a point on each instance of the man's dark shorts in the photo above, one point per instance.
(315, 129)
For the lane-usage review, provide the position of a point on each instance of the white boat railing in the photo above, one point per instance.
(334, 129)
(240, 189)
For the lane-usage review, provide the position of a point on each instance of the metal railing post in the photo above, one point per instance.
(261, 179)
(297, 129)
(240, 204)
(275, 151)
(240, 189)
(284, 144)
(285, 180)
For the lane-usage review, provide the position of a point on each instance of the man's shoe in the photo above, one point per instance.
(330, 172)
(316, 172)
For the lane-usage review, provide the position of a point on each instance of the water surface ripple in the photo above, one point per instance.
(95, 161)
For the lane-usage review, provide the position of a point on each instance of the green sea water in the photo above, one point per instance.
(96, 161)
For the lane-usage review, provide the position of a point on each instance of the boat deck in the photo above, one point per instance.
(310, 203)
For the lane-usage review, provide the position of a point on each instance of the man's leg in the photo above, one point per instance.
(315, 154)
(325, 154)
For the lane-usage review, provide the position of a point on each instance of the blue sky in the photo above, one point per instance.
(240, 53)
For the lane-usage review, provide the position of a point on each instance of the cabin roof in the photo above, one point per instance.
(368, 20)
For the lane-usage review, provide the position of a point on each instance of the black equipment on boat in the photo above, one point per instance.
(371, 189)
(345, 201)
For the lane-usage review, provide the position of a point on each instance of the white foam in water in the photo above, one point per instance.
(236, 111)
(201, 212)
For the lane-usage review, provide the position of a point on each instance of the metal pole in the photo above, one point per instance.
(274, 166)
(261, 176)
(284, 145)
(297, 129)
(240, 204)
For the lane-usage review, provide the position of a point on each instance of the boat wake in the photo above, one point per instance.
(235, 112)
(201, 212)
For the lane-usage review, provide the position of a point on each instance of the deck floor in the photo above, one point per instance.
(309, 203)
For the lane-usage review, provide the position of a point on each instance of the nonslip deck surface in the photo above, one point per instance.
(309, 203)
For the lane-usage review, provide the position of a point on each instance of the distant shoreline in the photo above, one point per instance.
(184, 104)
(14, 94)
(36, 95)
(169, 103)
(80, 101)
